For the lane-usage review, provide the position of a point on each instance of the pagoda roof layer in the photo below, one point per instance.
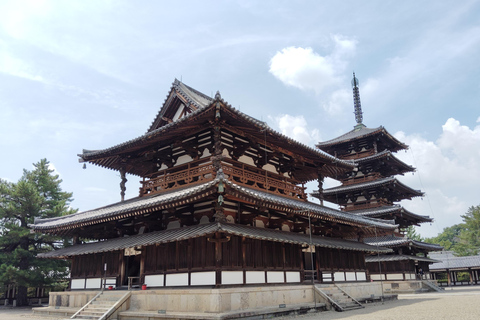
(391, 157)
(115, 157)
(452, 263)
(392, 241)
(160, 201)
(372, 184)
(362, 132)
(397, 257)
(184, 233)
(387, 210)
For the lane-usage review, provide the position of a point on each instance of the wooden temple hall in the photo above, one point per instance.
(221, 203)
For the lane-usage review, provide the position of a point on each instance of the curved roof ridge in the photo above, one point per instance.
(360, 132)
(299, 205)
(370, 184)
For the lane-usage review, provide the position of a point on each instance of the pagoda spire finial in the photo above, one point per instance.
(356, 101)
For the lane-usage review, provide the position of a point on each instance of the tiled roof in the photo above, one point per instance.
(205, 104)
(194, 97)
(137, 204)
(392, 241)
(456, 263)
(384, 210)
(306, 208)
(360, 132)
(397, 257)
(385, 154)
(371, 184)
(141, 204)
(178, 234)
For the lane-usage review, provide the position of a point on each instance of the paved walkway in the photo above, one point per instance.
(457, 303)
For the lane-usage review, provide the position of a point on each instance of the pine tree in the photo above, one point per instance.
(36, 195)
(469, 239)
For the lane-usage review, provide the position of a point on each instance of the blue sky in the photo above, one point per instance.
(92, 74)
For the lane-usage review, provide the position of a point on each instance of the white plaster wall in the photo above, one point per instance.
(395, 276)
(202, 278)
(246, 160)
(232, 277)
(179, 112)
(377, 277)
(78, 284)
(93, 283)
(275, 277)
(177, 279)
(339, 276)
(173, 224)
(154, 280)
(293, 276)
(183, 159)
(361, 276)
(350, 276)
(255, 277)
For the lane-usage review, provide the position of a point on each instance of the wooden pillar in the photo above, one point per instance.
(142, 264)
(121, 263)
(470, 273)
(320, 186)
(124, 180)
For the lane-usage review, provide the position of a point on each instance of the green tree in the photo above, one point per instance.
(411, 233)
(448, 238)
(469, 239)
(36, 195)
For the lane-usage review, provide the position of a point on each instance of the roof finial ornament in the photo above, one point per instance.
(218, 96)
(356, 102)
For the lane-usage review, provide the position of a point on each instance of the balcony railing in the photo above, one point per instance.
(264, 180)
(366, 205)
(237, 172)
(178, 177)
(365, 178)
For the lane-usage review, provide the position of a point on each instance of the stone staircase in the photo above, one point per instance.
(102, 306)
(338, 298)
(432, 286)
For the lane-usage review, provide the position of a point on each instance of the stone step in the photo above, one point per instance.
(79, 316)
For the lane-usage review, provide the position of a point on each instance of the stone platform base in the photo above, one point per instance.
(410, 286)
(203, 303)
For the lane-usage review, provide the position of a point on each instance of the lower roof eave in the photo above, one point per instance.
(185, 233)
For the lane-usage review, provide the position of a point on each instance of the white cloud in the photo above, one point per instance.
(296, 127)
(307, 70)
(447, 170)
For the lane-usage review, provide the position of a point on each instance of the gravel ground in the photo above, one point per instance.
(457, 303)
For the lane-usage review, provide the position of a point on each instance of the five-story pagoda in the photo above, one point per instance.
(371, 190)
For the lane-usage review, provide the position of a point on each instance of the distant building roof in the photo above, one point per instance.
(454, 263)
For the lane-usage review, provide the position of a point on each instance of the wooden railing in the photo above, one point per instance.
(365, 178)
(240, 173)
(368, 205)
(177, 177)
(253, 177)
